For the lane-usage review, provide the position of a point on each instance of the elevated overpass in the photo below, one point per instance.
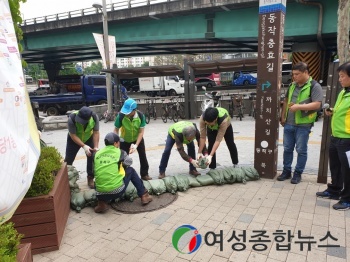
(176, 27)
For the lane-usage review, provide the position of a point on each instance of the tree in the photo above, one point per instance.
(343, 30)
(146, 63)
(17, 19)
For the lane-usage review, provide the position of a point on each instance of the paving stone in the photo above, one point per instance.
(246, 218)
(337, 252)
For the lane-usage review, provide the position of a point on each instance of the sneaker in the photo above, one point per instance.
(147, 177)
(194, 173)
(161, 175)
(285, 175)
(342, 205)
(296, 178)
(326, 194)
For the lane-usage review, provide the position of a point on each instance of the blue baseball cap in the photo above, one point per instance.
(129, 105)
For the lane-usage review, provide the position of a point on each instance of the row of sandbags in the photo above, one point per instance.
(79, 199)
(172, 184)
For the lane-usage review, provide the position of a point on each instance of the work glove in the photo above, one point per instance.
(194, 163)
(199, 156)
(208, 158)
(96, 149)
(87, 150)
(133, 148)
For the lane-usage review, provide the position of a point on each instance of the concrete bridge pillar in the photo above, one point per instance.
(52, 69)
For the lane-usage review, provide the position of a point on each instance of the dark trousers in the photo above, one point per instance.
(229, 139)
(72, 150)
(339, 166)
(167, 151)
(142, 155)
(130, 175)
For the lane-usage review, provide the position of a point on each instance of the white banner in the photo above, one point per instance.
(101, 48)
(19, 139)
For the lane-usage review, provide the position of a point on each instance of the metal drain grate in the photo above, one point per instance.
(158, 202)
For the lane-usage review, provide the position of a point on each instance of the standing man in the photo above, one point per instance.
(181, 133)
(339, 148)
(113, 172)
(216, 123)
(302, 101)
(83, 132)
(131, 123)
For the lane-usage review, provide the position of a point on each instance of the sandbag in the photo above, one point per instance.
(250, 173)
(158, 186)
(205, 180)
(201, 162)
(217, 176)
(148, 186)
(90, 197)
(182, 182)
(193, 182)
(238, 174)
(170, 184)
(229, 178)
(77, 201)
(130, 192)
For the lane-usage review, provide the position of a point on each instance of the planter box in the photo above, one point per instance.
(42, 219)
(25, 253)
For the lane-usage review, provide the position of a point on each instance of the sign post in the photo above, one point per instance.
(270, 56)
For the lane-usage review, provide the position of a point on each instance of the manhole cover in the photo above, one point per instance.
(161, 201)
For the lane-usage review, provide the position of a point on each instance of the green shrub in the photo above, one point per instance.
(48, 165)
(9, 241)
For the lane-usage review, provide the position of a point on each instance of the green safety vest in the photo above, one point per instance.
(304, 94)
(223, 114)
(178, 128)
(85, 134)
(108, 171)
(341, 116)
(130, 128)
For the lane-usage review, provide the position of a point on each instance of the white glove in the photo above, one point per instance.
(133, 148)
(195, 163)
(96, 149)
(199, 156)
(208, 158)
(87, 150)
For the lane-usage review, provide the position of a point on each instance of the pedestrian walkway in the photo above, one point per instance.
(219, 213)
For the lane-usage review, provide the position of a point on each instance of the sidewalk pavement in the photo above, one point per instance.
(265, 204)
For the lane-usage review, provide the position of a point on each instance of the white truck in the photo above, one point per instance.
(162, 86)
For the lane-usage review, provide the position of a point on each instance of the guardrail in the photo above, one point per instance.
(121, 4)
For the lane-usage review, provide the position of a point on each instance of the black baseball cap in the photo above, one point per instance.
(83, 115)
(112, 138)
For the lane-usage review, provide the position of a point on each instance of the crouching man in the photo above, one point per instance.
(113, 172)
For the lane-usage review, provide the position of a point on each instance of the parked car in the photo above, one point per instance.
(43, 83)
(244, 78)
(41, 91)
(207, 82)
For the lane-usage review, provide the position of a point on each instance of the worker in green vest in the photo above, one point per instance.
(83, 132)
(303, 100)
(180, 133)
(216, 123)
(113, 172)
(131, 123)
(339, 148)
